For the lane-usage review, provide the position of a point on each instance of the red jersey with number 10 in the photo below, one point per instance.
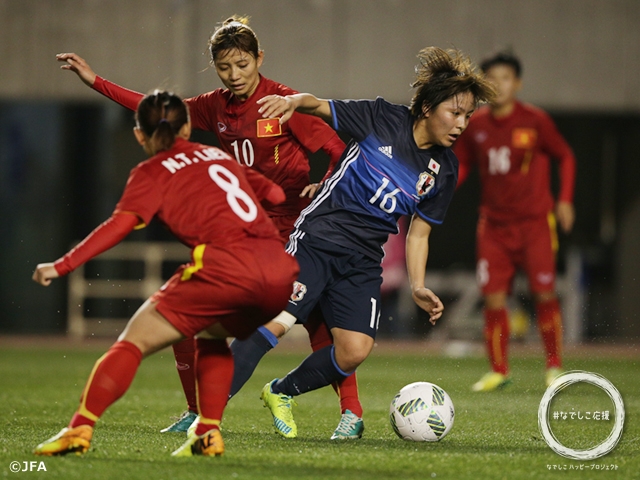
(277, 151)
(513, 155)
(201, 194)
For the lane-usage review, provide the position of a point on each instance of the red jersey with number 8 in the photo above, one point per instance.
(201, 193)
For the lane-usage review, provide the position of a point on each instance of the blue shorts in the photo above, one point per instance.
(343, 282)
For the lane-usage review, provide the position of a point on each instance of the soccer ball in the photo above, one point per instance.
(421, 412)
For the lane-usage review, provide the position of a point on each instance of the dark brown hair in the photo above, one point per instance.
(161, 115)
(503, 58)
(234, 33)
(442, 74)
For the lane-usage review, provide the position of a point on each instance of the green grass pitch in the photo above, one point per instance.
(495, 434)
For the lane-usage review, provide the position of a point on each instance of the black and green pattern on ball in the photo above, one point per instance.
(392, 420)
(412, 406)
(437, 425)
(438, 395)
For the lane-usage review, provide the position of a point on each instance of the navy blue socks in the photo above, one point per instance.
(316, 371)
(247, 354)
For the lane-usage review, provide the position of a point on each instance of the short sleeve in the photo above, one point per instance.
(201, 109)
(434, 209)
(354, 117)
(141, 196)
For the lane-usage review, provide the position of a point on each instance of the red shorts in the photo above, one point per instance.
(530, 245)
(240, 286)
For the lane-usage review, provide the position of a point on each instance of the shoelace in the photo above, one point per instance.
(347, 424)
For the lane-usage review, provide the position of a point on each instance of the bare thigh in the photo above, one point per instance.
(149, 330)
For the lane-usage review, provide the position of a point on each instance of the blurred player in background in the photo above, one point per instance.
(512, 142)
(277, 151)
(398, 163)
(239, 279)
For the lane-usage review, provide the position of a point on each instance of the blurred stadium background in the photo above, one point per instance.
(65, 152)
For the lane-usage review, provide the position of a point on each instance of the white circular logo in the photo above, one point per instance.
(560, 383)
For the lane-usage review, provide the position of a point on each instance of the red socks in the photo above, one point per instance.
(496, 335)
(346, 389)
(185, 355)
(214, 373)
(111, 376)
(550, 326)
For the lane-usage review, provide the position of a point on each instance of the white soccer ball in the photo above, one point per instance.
(421, 412)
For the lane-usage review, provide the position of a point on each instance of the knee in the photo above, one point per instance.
(495, 301)
(350, 356)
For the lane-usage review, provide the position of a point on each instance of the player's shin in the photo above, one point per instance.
(497, 338)
(347, 388)
(214, 372)
(110, 378)
(247, 354)
(550, 326)
(185, 355)
(316, 371)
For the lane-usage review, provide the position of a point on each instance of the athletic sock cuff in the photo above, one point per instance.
(129, 347)
(268, 335)
(335, 364)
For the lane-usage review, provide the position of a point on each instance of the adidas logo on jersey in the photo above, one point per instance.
(386, 150)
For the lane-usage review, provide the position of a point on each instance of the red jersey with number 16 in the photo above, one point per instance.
(277, 151)
(201, 194)
(513, 155)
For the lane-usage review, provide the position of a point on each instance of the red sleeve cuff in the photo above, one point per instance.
(62, 266)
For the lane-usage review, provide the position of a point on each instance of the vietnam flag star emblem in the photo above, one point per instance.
(524, 138)
(269, 127)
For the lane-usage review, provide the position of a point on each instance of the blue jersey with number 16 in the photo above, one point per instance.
(381, 176)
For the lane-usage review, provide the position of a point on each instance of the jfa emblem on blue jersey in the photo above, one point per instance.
(299, 289)
(425, 183)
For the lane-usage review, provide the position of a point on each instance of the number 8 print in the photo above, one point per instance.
(228, 182)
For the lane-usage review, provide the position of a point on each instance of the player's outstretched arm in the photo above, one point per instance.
(278, 106)
(125, 97)
(103, 237)
(77, 64)
(417, 254)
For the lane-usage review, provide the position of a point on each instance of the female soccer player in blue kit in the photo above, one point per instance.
(398, 163)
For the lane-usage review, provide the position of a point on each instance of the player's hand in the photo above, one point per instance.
(45, 272)
(310, 190)
(75, 63)
(566, 216)
(277, 106)
(429, 302)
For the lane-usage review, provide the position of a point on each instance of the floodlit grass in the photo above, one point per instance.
(495, 434)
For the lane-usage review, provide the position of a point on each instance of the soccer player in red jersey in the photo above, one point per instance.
(277, 151)
(239, 279)
(512, 143)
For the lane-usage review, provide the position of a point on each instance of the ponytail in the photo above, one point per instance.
(160, 116)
